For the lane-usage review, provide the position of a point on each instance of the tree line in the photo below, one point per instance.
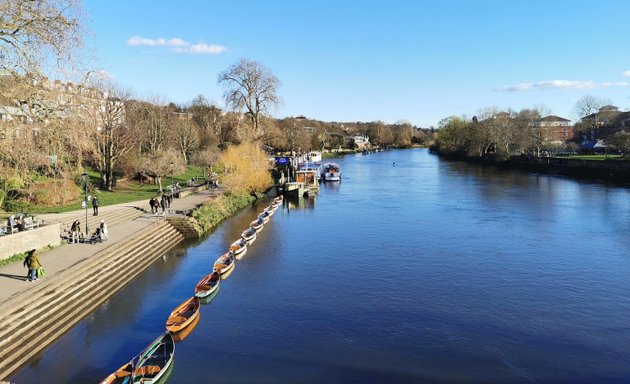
(57, 129)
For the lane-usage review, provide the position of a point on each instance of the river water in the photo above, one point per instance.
(426, 271)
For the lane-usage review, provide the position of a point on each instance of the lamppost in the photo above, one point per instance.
(86, 178)
(172, 187)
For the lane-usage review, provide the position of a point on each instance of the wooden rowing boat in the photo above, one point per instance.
(265, 216)
(271, 210)
(183, 334)
(121, 376)
(224, 263)
(155, 360)
(208, 284)
(238, 247)
(249, 235)
(257, 224)
(183, 315)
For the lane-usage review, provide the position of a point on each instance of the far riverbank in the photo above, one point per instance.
(614, 171)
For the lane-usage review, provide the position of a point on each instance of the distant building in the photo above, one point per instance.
(360, 141)
(555, 129)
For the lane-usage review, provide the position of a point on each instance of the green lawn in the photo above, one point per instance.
(595, 157)
(125, 191)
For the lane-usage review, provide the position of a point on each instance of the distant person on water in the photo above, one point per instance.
(394, 164)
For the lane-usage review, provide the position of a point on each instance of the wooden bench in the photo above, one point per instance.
(30, 223)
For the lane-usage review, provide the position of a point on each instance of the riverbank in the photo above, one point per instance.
(614, 171)
(79, 277)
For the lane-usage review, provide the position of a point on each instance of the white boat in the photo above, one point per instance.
(264, 216)
(257, 224)
(224, 263)
(331, 172)
(249, 235)
(271, 210)
(238, 247)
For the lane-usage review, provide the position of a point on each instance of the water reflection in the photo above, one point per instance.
(296, 203)
(208, 299)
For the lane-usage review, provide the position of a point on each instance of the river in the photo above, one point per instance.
(426, 271)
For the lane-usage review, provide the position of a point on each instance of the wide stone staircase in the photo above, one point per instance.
(53, 306)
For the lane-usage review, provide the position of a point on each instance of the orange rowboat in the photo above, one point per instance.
(183, 315)
(208, 284)
(121, 376)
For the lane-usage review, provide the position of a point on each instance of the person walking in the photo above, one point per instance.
(95, 204)
(74, 230)
(152, 204)
(104, 231)
(33, 264)
(163, 203)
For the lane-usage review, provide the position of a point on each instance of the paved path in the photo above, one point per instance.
(13, 276)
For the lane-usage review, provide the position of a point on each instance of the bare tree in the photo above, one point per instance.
(151, 121)
(250, 87)
(114, 136)
(33, 32)
(186, 136)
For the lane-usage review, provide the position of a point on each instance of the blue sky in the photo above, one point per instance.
(392, 60)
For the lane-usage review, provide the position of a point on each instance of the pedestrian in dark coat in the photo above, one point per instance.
(95, 204)
(33, 264)
(163, 202)
(152, 205)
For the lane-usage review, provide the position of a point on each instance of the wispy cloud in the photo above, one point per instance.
(202, 49)
(626, 73)
(178, 45)
(141, 41)
(560, 84)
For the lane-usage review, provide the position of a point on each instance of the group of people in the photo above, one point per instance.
(18, 222)
(101, 233)
(163, 202)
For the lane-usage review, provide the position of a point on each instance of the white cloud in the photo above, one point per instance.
(141, 41)
(202, 48)
(626, 73)
(560, 84)
(179, 45)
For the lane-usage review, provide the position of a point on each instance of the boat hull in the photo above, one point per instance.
(224, 263)
(183, 315)
(207, 285)
(158, 354)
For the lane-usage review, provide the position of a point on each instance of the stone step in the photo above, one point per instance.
(58, 282)
(40, 297)
(83, 296)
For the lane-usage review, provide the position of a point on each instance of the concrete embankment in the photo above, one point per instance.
(81, 277)
(35, 318)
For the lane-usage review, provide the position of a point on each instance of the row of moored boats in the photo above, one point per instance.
(152, 363)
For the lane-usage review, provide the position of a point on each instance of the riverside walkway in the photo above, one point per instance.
(121, 225)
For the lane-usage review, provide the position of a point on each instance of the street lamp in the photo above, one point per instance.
(86, 178)
(171, 176)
